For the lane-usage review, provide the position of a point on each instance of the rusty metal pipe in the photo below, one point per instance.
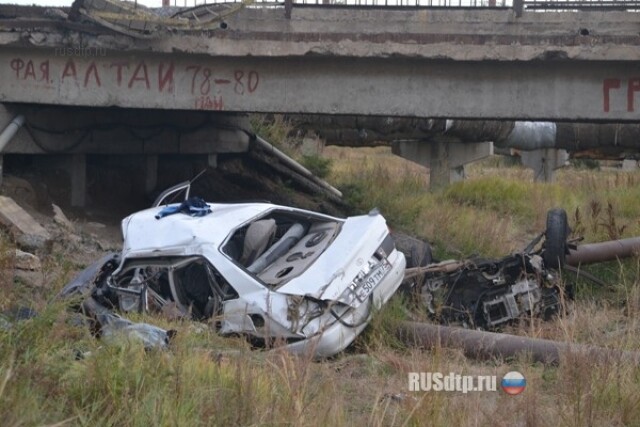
(604, 251)
(366, 130)
(487, 345)
(270, 148)
(524, 135)
(602, 140)
(9, 132)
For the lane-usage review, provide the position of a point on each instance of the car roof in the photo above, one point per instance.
(142, 231)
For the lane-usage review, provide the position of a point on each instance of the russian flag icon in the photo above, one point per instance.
(513, 383)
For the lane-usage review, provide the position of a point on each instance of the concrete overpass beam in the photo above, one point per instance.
(513, 86)
(445, 160)
(544, 162)
(214, 140)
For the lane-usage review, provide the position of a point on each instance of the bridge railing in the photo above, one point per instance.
(567, 5)
(534, 5)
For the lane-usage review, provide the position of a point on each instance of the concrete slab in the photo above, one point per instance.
(26, 230)
(409, 62)
(598, 90)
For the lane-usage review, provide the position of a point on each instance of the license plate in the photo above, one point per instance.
(368, 284)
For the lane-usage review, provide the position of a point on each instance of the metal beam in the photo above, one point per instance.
(562, 90)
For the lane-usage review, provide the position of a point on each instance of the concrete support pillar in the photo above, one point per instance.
(150, 173)
(78, 173)
(311, 146)
(544, 162)
(212, 161)
(445, 160)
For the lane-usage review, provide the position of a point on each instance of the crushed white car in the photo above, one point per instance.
(271, 273)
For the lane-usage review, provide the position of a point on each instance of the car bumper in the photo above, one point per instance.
(337, 336)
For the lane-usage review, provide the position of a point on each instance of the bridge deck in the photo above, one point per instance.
(424, 63)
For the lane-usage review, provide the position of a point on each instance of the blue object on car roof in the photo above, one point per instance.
(193, 206)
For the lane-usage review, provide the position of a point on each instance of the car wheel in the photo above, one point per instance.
(555, 244)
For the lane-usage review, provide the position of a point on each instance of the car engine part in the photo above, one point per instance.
(487, 293)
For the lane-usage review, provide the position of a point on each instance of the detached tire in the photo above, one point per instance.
(421, 255)
(418, 254)
(555, 244)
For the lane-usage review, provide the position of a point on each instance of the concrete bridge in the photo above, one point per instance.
(470, 63)
(465, 63)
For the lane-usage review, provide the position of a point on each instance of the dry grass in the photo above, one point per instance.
(496, 210)
(208, 380)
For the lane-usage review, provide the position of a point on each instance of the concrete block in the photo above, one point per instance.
(27, 261)
(26, 230)
(60, 218)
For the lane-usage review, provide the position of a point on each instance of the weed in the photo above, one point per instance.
(277, 130)
(52, 371)
(319, 166)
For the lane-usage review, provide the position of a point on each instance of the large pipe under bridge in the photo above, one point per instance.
(445, 146)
